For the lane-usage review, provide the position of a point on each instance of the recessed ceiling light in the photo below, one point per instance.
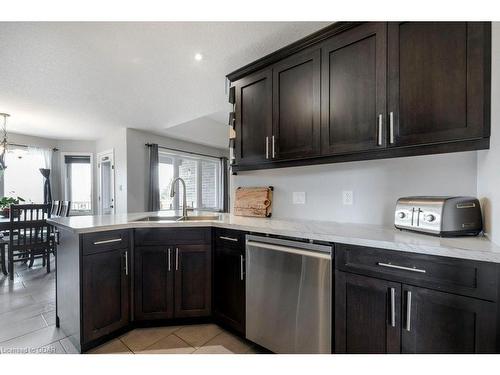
(198, 57)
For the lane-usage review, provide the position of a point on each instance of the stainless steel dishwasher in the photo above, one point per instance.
(288, 295)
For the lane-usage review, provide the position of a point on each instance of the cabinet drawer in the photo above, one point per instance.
(465, 277)
(229, 238)
(173, 236)
(105, 241)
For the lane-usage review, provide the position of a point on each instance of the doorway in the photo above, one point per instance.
(106, 185)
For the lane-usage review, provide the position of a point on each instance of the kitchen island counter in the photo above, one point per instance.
(478, 248)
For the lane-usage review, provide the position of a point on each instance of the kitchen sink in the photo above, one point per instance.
(199, 218)
(180, 218)
(160, 218)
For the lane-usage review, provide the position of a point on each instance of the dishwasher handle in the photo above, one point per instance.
(288, 249)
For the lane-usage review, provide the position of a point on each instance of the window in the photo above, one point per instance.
(22, 178)
(77, 177)
(202, 178)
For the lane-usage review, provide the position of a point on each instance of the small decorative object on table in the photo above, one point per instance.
(253, 201)
(5, 203)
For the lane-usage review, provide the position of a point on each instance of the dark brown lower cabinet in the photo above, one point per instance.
(154, 280)
(193, 292)
(105, 291)
(436, 322)
(367, 314)
(378, 316)
(172, 281)
(229, 284)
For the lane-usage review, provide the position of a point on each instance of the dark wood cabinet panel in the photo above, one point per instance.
(354, 90)
(459, 276)
(253, 117)
(367, 314)
(446, 323)
(193, 292)
(170, 236)
(229, 284)
(296, 106)
(154, 282)
(438, 81)
(105, 289)
(387, 90)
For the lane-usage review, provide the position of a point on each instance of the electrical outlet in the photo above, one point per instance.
(299, 197)
(347, 197)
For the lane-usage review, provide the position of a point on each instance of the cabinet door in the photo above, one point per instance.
(296, 106)
(253, 118)
(438, 81)
(354, 90)
(193, 292)
(105, 293)
(367, 314)
(437, 322)
(229, 286)
(154, 276)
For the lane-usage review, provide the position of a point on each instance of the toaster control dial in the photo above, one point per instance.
(429, 218)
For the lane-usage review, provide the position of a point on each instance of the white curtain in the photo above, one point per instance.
(44, 153)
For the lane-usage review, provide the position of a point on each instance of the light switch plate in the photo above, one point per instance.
(347, 197)
(299, 197)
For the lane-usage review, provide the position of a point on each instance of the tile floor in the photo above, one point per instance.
(27, 325)
(192, 339)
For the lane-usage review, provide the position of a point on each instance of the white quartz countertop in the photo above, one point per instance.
(473, 248)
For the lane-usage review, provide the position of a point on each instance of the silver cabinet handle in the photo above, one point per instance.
(390, 265)
(391, 127)
(126, 263)
(408, 311)
(379, 130)
(274, 150)
(242, 261)
(393, 307)
(228, 238)
(107, 241)
(267, 147)
(176, 259)
(169, 262)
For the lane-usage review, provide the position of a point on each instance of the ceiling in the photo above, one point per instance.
(84, 79)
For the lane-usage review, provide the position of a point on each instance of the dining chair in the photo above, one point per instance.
(33, 239)
(3, 259)
(54, 211)
(64, 208)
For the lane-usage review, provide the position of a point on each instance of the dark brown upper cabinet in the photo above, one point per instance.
(380, 90)
(354, 90)
(296, 106)
(254, 118)
(439, 82)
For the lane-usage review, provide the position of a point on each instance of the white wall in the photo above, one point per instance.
(137, 163)
(376, 185)
(117, 141)
(488, 161)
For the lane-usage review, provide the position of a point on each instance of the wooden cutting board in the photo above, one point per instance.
(253, 201)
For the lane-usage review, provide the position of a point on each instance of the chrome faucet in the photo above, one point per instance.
(184, 198)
